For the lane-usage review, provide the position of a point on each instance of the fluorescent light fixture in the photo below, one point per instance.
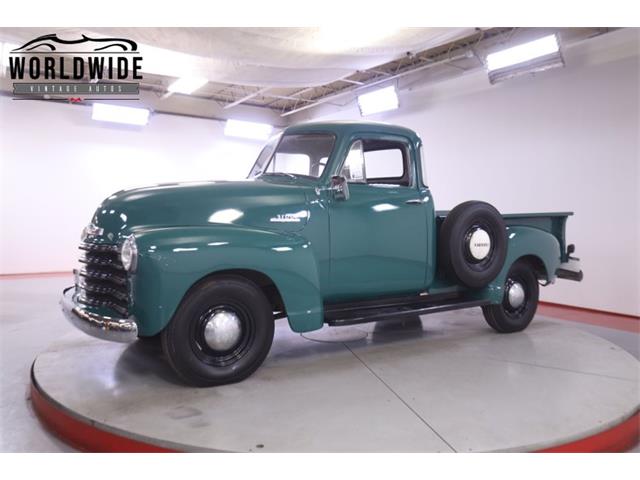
(535, 56)
(106, 112)
(378, 101)
(187, 85)
(253, 130)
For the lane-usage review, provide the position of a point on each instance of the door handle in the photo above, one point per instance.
(417, 201)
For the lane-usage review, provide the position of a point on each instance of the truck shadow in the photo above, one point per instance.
(144, 359)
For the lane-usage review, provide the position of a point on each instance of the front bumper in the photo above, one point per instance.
(124, 330)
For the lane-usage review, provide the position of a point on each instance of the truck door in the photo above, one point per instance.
(379, 234)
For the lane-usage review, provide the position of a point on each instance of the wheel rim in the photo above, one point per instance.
(222, 330)
(222, 335)
(478, 246)
(516, 297)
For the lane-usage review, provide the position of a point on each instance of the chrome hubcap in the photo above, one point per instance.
(222, 330)
(515, 295)
(479, 244)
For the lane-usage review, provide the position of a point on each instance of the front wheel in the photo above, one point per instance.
(519, 302)
(221, 333)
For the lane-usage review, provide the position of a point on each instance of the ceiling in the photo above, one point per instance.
(276, 72)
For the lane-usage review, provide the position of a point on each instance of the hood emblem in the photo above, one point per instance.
(289, 217)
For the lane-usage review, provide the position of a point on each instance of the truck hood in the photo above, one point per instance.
(269, 202)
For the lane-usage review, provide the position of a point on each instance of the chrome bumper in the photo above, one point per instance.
(124, 330)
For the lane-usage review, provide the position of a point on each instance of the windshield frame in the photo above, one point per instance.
(279, 138)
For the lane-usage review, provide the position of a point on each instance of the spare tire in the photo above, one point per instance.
(473, 244)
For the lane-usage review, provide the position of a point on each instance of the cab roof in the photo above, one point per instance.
(345, 128)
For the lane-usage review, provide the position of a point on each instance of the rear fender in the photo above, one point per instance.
(524, 241)
(171, 260)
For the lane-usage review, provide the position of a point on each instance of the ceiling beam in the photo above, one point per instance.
(348, 91)
(246, 97)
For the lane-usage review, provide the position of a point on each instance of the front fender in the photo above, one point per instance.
(171, 260)
(524, 241)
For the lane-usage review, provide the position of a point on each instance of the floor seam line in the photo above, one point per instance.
(400, 398)
(631, 380)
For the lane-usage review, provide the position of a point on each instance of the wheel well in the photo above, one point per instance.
(537, 264)
(263, 281)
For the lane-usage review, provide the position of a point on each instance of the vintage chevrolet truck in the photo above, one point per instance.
(335, 225)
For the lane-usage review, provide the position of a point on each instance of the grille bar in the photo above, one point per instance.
(99, 247)
(103, 281)
(103, 275)
(101, 261)
(96, 302)
(99, 289)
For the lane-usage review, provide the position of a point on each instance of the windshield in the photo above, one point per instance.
(296, 154)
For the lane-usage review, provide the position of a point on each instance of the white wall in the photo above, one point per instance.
(563, 140)
(57, 165)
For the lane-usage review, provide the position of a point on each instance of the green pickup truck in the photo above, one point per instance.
(335, 225)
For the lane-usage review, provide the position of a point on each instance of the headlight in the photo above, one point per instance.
(129, 253)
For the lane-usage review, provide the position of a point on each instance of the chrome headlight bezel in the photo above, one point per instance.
(91, 230)
(129, 254)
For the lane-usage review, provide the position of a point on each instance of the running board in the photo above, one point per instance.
(337, 316)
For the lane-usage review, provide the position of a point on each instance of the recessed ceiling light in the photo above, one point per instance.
(187, 85)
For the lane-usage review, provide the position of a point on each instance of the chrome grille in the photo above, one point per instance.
(102, 281)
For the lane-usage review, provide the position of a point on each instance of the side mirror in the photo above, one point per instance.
(339, 187)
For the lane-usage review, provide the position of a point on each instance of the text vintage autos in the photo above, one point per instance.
(335, 225)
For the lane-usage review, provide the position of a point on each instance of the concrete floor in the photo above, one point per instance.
(31, 322)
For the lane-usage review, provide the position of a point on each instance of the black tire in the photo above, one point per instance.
(189, 353)
(455, 252)
(504, 317)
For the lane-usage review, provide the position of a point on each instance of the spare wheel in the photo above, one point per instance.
(473, 244)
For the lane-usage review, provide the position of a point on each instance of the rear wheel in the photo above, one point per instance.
(221, 333)
(519, 302)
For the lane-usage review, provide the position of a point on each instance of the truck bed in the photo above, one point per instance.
(552, 222)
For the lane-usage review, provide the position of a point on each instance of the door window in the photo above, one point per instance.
(375, 161)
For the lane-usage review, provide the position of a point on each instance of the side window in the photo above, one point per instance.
(387, 162)
(354, 167)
